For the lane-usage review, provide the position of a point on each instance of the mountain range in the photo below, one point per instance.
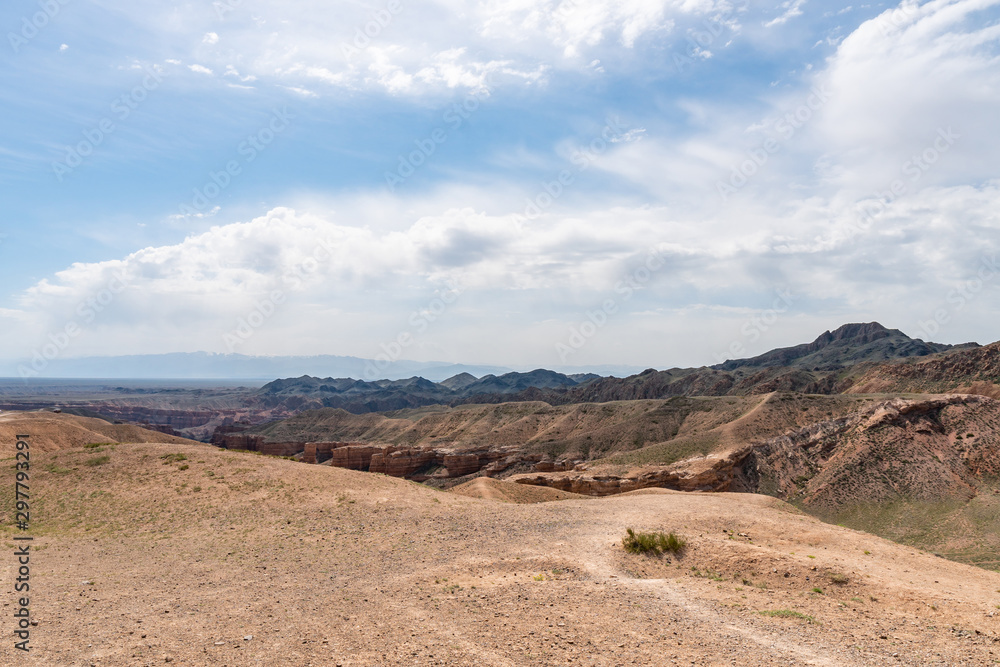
(832, 363)
(208, 366)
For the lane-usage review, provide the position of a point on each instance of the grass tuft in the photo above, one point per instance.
(652, 543)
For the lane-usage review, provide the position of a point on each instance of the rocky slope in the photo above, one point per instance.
(975, 370)
(927, 449)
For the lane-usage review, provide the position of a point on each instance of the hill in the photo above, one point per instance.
(154, 560)
(846, 346)
(975, 370)
(51, 431)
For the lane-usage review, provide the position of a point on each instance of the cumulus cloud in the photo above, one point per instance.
(865, 187)
(346, 275)
(429, 46)
(902, 77)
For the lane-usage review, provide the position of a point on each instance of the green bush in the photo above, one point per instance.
(97, 460)
(652, 543)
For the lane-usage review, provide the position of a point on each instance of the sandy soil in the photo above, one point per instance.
(228, 558)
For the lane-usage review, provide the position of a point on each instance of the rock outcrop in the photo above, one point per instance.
(916, 449)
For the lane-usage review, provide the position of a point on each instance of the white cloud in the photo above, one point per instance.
(200, 69)
(792, 9)
(899, 79)
(188, 295)
(430, 46)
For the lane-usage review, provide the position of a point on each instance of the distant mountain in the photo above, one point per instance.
(211, 366)
(458, 382)
(207, 365)
(850, 344)
(359, 396)
(830, 364)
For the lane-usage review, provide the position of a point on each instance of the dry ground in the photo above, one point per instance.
(227, 558)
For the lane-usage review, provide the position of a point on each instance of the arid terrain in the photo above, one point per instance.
(165, 552)
(838, 504)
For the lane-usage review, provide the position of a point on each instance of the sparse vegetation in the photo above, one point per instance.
(97, 461)
(839, 579)
(788, 613)
(652, 543)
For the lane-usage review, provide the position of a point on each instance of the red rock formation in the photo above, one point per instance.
(458, 465)
(353, 457)
(239, 441)
(401, 462)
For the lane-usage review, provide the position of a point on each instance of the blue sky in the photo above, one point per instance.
(746, 151)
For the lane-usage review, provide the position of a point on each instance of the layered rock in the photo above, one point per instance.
(403, 462)
(353, 457)
(924, 449)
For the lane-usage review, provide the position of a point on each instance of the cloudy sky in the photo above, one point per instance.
(516, 182)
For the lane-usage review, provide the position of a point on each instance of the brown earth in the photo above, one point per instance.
(973, 371)
(554, 437)
(230, 558)
(52, 431)
(931, 448)
(493, 489)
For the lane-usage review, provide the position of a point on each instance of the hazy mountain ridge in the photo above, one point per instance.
(359, 396)
(819, 367)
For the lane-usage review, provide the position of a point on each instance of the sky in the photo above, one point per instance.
(528, 184)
